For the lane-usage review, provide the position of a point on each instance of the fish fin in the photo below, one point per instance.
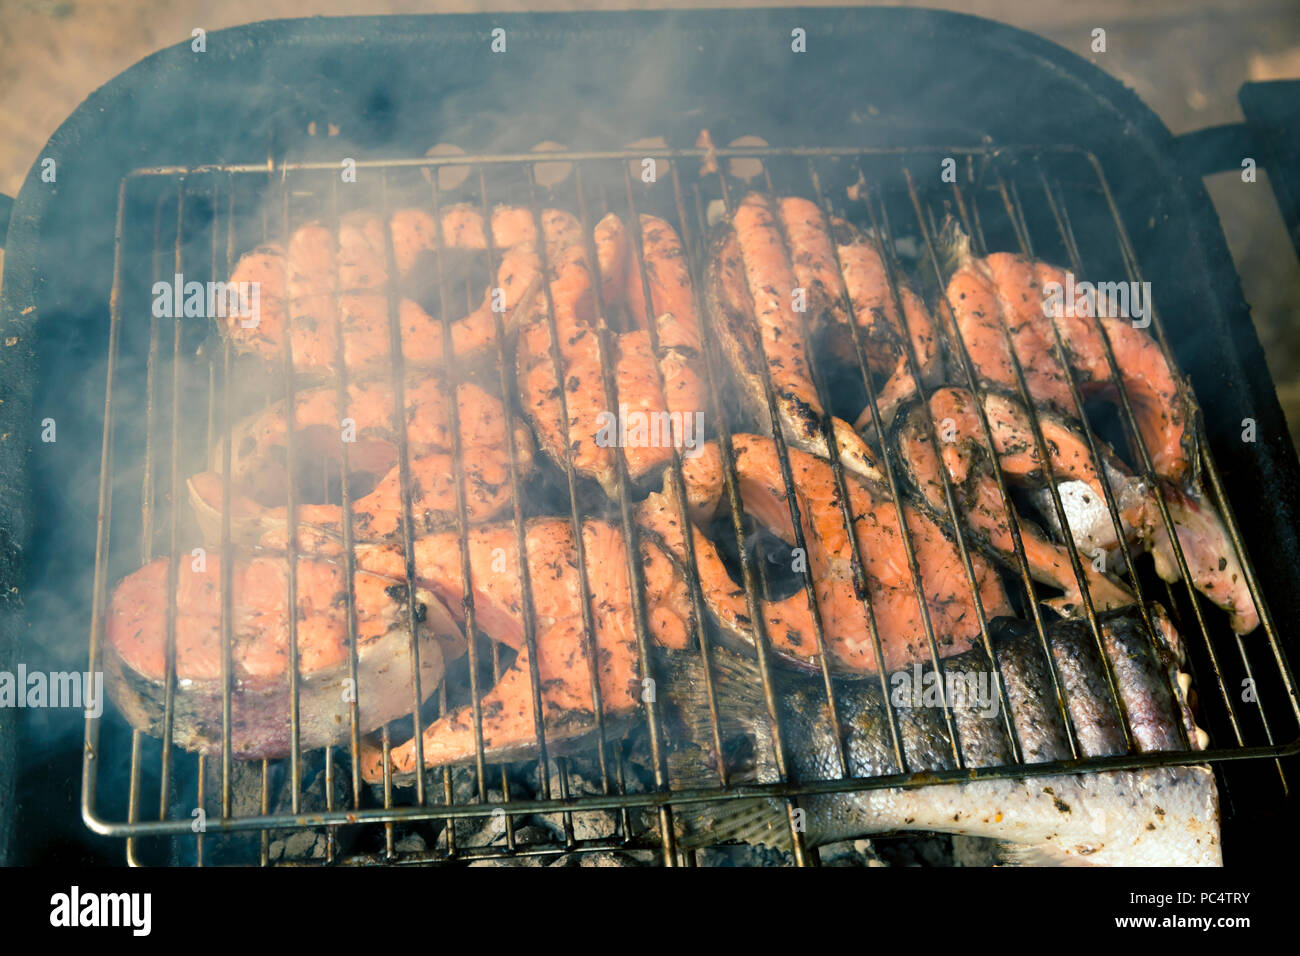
(953, 247)
(737, 688)
(757, 822)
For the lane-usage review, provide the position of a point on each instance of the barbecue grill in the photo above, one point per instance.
(1095, 183)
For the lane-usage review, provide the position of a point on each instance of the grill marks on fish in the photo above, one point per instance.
(891, 591)
(259, 461)
(331, 290)
(594, 431)
(1158, 816)
(135, 649)
(567, 702)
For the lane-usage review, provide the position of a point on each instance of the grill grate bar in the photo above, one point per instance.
(576, 518)
(762, 641)
(450, 382)
(631, 531)
(517, 514)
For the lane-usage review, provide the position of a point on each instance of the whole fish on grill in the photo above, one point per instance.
(1158, 816)
(1003, 297)
(136, 652)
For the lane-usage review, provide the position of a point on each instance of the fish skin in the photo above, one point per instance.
(1159, 816)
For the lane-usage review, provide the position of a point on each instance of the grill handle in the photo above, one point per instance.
(1270, 135)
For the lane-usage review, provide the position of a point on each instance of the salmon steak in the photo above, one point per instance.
(752, 293)
(136, 652)
(847, 284)
(1207, 547)
(368, 430)
(999, 308)
(659, 393)
(329, 290)
(560, 638)
(892, 596)
(970, 470)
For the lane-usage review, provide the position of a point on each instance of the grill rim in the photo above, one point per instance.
(1272, 467)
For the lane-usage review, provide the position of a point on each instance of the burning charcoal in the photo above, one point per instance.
(742, 855)
(608, 858)
(975, 851)
(535, 861)
(304, 845)
(411, 843)
(849, 853)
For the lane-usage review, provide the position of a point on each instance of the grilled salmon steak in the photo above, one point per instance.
(135, 652)
(970, 470)
(1208, 549)
(329, 283)
(649, 421)
(891, 593)
(751, 295)
(258, 464)
(556, 587)
(1001, 298)
(845, 281)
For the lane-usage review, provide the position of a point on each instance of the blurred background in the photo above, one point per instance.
(1185, 58)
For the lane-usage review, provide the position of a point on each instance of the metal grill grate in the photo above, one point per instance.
(201, 217)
